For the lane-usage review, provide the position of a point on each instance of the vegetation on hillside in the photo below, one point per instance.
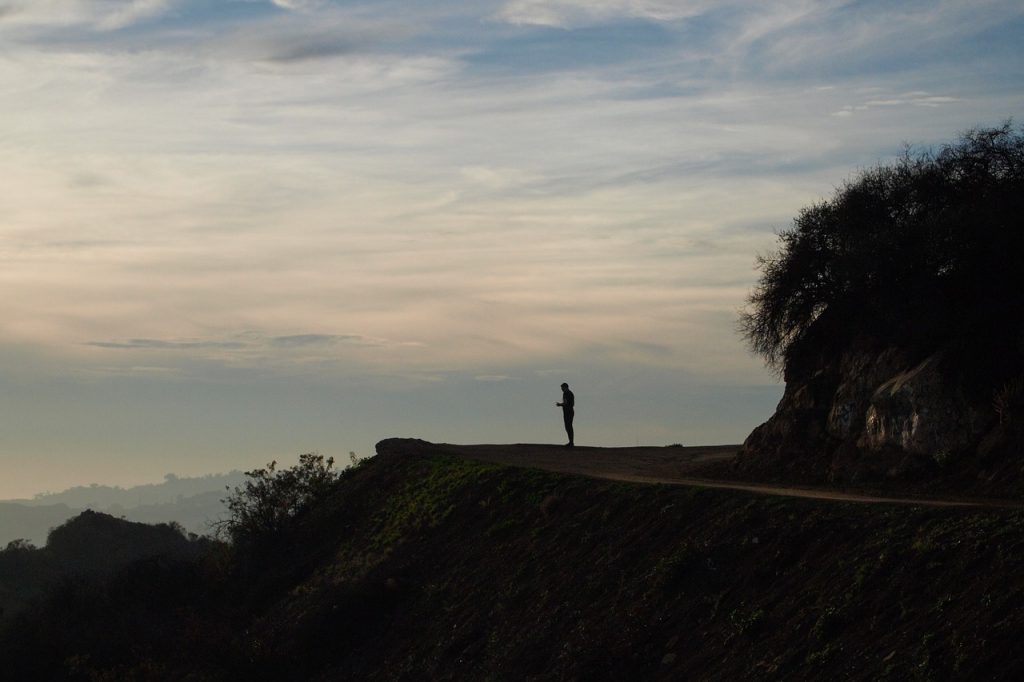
(431, 567)
(922, 253)
(263, 506)
(92, 546)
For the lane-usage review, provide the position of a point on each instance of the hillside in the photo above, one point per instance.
(421, 564)
(88, 547)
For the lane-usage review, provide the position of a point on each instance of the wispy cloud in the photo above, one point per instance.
(568, 13)
(306, 49)
(103, 15)
(244, 341)
(309, 36)
(301, 340)
(133, 11)
(162, 344)
(301, 5)
(912, 99)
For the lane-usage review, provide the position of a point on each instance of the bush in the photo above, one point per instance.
(261, 509)
(922, 251)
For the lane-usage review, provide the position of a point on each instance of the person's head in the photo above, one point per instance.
(565, 386)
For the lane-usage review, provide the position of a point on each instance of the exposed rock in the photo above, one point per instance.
(870, 413)
(919, 412)
(861, 373)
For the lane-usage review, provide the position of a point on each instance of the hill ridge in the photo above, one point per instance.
(666, 465)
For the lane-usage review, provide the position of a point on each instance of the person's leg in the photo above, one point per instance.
(568, 426)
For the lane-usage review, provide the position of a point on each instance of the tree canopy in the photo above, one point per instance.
(262, 508)
(923, 250)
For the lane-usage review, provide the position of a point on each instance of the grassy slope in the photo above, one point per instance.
(434, 567)
(444, 568)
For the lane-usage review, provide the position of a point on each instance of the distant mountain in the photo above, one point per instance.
(192, 502)
(173, 489)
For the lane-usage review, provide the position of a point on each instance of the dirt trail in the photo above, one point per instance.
(663, 465)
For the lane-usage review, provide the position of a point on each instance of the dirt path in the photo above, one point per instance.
(662, 465)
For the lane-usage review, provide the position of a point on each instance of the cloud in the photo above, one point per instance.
(102, 15)
(248, 343)
(299, 5)
(131, 12)
(354, 170)
(309, 38)
(659, 350)
(569, 13)
(163, 344)
(799, 38)
(303, 340)
(306, 48)
(498, 178)
(913, 99)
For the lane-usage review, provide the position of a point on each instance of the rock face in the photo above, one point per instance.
(920, 413)
(869, 413)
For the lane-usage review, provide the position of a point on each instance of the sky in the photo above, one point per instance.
(233, 231)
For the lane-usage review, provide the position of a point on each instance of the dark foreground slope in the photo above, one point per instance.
(429, 566)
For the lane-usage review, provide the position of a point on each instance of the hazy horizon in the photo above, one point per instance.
(238, 231)
(143, 491)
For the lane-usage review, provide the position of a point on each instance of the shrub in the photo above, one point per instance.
(916, 252)
(1008, 403)
(261, 508)
(21, 545)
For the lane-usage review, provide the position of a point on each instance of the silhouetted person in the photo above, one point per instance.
(568, 406)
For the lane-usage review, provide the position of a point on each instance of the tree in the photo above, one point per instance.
(19, 545)
(263, 506)
(926, 250)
